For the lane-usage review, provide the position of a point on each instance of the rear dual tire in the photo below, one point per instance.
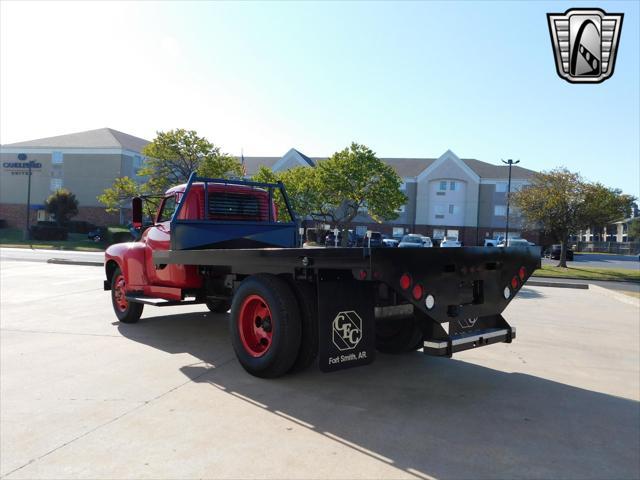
(265, 326)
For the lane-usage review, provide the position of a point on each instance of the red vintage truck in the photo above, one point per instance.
(235, 245)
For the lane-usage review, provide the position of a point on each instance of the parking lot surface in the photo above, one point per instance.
(600, 260)
(83, 396)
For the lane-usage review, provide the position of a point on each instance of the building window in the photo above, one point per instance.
(501, 187)
(453, 209)
(398, 231)
(452, 186)
(56, 184)
(500, 210)
(57, 158)
(438, 233)
(443, 185)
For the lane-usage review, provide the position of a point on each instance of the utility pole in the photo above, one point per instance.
(510, 163)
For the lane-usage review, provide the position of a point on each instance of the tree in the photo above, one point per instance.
(561, 202)
(119, 195)
(633, 230)
(354, 178)
(171, 159)
(174, 155)
(62, 204)
(604, 205)
(303, 190)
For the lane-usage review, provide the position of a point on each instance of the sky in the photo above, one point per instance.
(408, 79)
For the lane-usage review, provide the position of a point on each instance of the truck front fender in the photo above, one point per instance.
(130, 257)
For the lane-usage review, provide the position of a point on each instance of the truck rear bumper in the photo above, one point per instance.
(468, 341)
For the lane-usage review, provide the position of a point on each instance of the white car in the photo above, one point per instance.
(515, 242)
(426, 242)
(450, 242)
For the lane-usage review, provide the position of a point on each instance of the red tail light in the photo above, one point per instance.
(522, 273)
(514, 282)
(363, 274)
(417, 291)
(405, 281)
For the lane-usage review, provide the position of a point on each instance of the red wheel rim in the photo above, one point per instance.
(255, 326)
(119, 293)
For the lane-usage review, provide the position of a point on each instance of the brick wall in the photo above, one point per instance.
(16, 215)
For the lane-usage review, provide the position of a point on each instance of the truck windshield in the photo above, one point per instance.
(168, 209)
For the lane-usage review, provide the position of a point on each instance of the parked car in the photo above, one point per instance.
(390, 242)
(554, 254)
(515, 242)
(98, 234)
(491, 242)
(411, 241)
(375, 241)
(426, 242)
(330, 239)
(450, 242)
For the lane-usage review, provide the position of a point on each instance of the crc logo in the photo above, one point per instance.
(347, 330)
(585, 43)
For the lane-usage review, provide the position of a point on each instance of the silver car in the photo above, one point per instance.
(411, 241)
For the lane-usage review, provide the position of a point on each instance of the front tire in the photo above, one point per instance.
(126, 311)
(265, 326)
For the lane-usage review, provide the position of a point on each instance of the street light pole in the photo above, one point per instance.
(509, 162)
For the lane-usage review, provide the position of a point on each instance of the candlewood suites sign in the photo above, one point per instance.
(21, 167)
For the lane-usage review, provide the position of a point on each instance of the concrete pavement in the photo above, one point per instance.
(600, 260)
(85, 397)
(41, 255)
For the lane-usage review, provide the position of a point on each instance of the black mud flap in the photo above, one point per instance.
(346, 325)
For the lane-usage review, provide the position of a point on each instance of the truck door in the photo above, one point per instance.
(159, 238)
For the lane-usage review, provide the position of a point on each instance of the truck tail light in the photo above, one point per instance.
(522, 273)
(405, 281)
(417, 291)
(514, 283)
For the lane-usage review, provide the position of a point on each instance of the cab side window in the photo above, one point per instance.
(168, 209)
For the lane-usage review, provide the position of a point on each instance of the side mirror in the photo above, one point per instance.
(136, 212)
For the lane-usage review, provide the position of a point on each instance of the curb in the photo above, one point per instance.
(621, 297)
(535, 283)
(590, 279)
(64, 261)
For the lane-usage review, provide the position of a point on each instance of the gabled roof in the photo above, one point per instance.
(408, 167)
(252, 164)
(489, 170)
(305, 158)
(100, 138)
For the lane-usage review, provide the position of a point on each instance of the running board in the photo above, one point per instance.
(478, 338)
(161, 302)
